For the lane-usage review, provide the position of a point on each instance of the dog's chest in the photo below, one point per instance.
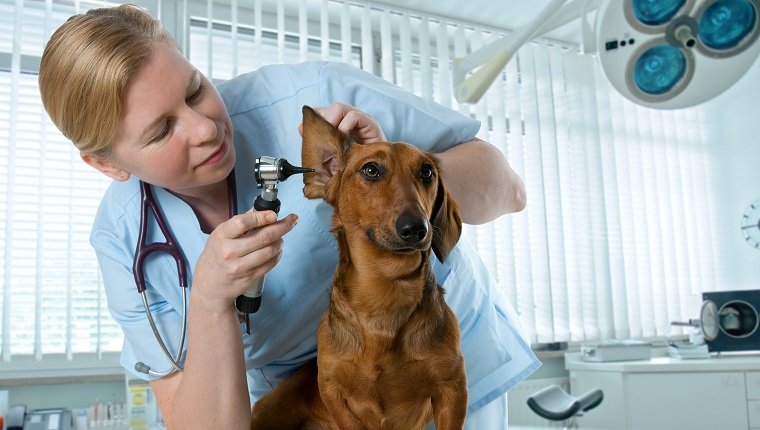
(388, 379)
(394, 391)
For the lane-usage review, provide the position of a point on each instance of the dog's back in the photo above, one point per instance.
(388, 345)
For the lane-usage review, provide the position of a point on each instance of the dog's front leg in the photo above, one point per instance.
(336, 404)
(449, 408)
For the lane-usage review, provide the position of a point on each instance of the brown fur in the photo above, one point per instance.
(388, 345)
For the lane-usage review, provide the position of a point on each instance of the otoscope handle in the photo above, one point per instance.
(250, 301)
(261, 204)
(248, 305)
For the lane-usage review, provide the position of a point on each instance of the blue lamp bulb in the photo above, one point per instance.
(656, 12)
(725, 23)
(659, 69)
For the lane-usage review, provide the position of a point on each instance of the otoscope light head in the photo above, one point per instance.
(273, 170)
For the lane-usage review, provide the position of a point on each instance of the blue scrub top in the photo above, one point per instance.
(265, 108)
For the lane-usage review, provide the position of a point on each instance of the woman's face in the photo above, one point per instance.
(174, 130)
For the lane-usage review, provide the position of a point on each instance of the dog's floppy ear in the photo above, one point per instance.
(446, 221)
(324, 149)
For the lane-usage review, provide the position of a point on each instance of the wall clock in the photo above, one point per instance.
(751, 225)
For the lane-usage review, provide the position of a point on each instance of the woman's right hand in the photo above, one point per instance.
(239, 252)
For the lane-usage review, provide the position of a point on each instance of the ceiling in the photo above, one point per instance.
(502, 14)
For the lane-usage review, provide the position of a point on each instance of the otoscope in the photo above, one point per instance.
(268, 171)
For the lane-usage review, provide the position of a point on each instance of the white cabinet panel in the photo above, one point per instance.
(753, 385)
(754, 413)
(687, 401)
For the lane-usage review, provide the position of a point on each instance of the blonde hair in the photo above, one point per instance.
(86, 66)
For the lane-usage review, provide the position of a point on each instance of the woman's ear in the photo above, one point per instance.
(105, 166)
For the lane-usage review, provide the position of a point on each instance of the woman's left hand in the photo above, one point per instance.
(352, 122)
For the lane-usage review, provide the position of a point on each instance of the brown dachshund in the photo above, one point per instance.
(388, 345)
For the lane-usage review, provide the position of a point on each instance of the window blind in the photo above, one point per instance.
(50, 291)
(616, 240)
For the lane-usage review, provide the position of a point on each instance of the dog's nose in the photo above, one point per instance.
(411, 229)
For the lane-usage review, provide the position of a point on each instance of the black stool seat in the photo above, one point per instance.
(554, 403)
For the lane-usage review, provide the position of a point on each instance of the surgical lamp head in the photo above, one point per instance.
(676, 53)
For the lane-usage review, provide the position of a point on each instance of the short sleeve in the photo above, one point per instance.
(125, 305)
(402, 115)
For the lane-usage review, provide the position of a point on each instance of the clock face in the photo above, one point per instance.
(751, 225)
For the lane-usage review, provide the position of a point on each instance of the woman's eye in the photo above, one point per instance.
(163, 133)
(370, 170)
(197, 94)
(426, 172)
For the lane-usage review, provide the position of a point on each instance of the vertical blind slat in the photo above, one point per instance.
(386, 45)
(280, 32)
(535, 190)
(324, 22)
(345, 32)
(234, 36)
(368, 47)
(210, 39)
(405, 48)
(426, 72)
(258, 41)
(599, 317)
(303, 31)
(442, 44)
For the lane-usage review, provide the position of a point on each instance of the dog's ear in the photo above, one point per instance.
(446, 221)
(324, 149)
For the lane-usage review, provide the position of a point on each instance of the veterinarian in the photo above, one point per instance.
(118, 87)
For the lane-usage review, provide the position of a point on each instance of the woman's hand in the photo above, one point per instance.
(352, 122)
(239, 252)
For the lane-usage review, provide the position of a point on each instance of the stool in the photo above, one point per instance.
(554, 403)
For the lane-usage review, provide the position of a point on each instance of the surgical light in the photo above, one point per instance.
(663, 54)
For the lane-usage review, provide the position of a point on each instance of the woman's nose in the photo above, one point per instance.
(204, 128)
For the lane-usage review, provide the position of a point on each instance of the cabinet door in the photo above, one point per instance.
(695, 401)
(753, 385)
(610, 414)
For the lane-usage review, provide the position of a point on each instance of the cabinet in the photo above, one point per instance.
(668, 393)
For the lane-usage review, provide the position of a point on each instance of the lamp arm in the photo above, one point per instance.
(588, 38)
(495, 55)
(567, 14)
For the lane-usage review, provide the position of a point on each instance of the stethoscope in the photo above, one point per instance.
(171, 247)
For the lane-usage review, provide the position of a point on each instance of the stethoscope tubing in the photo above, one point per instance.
(174, 361)
(143, 249)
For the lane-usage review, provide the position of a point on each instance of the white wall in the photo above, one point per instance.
(734, 140)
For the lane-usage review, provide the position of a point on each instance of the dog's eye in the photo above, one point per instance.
(370, 171)
(426, 172)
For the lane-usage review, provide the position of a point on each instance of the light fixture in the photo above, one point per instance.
(659, 53)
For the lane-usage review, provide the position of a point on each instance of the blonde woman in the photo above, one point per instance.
(116, 84)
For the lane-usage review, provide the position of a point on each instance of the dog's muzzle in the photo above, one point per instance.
(412, 229)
